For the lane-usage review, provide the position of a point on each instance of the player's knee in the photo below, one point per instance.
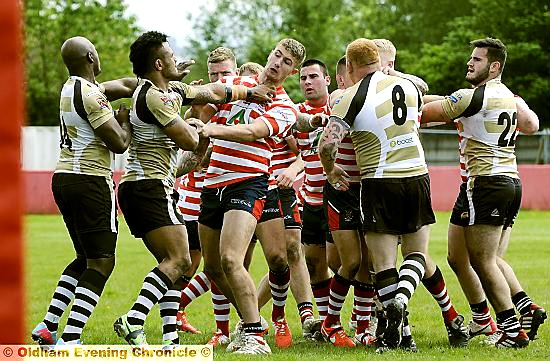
(294, 253)
(229, 264)
(78, 265)
(213, 271)
(352, 267)
(277, 262)
(452, 263)
(103, 265)
(183, 263)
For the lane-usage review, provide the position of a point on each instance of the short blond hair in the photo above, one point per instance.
(362, 52)
(386, 47)
(250, 68)
(295, 48)
(221, 54)
(341, 66)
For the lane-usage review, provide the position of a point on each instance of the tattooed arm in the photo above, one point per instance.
(309, 122)
(190, 160)
(218, 93)
(332, 136)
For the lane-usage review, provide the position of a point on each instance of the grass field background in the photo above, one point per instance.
(48, 250)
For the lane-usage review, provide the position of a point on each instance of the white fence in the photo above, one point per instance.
(40, 148)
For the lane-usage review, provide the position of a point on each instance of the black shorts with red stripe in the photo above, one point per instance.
(290, 207)
(342, 207)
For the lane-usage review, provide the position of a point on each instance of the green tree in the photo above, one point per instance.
(522, 26)
(48, 23)
(432, 38)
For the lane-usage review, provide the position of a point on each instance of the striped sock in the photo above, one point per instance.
(168, 306)
(221, 309)
(522, 302)
(89, 289)
(363, 302)
(278, 283)
(321, 291)
(339, 288)
(64, 293)
(154, 287)
(305, 310)
(386, 284)
(508, 322)
(481, 313)
(436, 286)
(411, 273)
(199, 285)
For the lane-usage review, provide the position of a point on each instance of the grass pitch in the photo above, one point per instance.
(48, 251)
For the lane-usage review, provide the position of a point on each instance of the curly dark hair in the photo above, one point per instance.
(144, 51)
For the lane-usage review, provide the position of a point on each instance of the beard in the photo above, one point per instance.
(481, 76)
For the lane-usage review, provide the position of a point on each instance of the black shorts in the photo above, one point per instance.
(493, 200)
(248, 195)
(342, 207)
(272, 206)
(88, 206)
(289, 205)
(147, 205)
(314, 226)
(460, 216)
(193, 235)
(396, 205)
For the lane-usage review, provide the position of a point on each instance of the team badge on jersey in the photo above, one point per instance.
(102, 102)
(167, 100)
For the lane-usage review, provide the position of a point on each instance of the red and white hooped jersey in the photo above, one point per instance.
(233, 162)
(311, 191)
(281, 159)
(345, 158)
(190, 187)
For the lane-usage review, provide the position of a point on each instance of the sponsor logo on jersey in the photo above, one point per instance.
(394, 143)
(455, 98)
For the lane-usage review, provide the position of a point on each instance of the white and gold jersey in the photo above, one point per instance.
(152, 154)
(83, 108)
(486, 119)
(382, 112)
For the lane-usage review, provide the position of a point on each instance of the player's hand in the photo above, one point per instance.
(338, 178)
(261, 94)
(122, 115)
(319, 120)
(198, 125)
(182, 68)
(286, 178)
(196, 82)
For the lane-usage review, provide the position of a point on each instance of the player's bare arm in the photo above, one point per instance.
(309, 122)
(190, 160)
(333, 134)
(433, 112)
(183, 134)
(236, 133)
(528, 120)
(117, 131)
(217, 93)
(119, 88)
